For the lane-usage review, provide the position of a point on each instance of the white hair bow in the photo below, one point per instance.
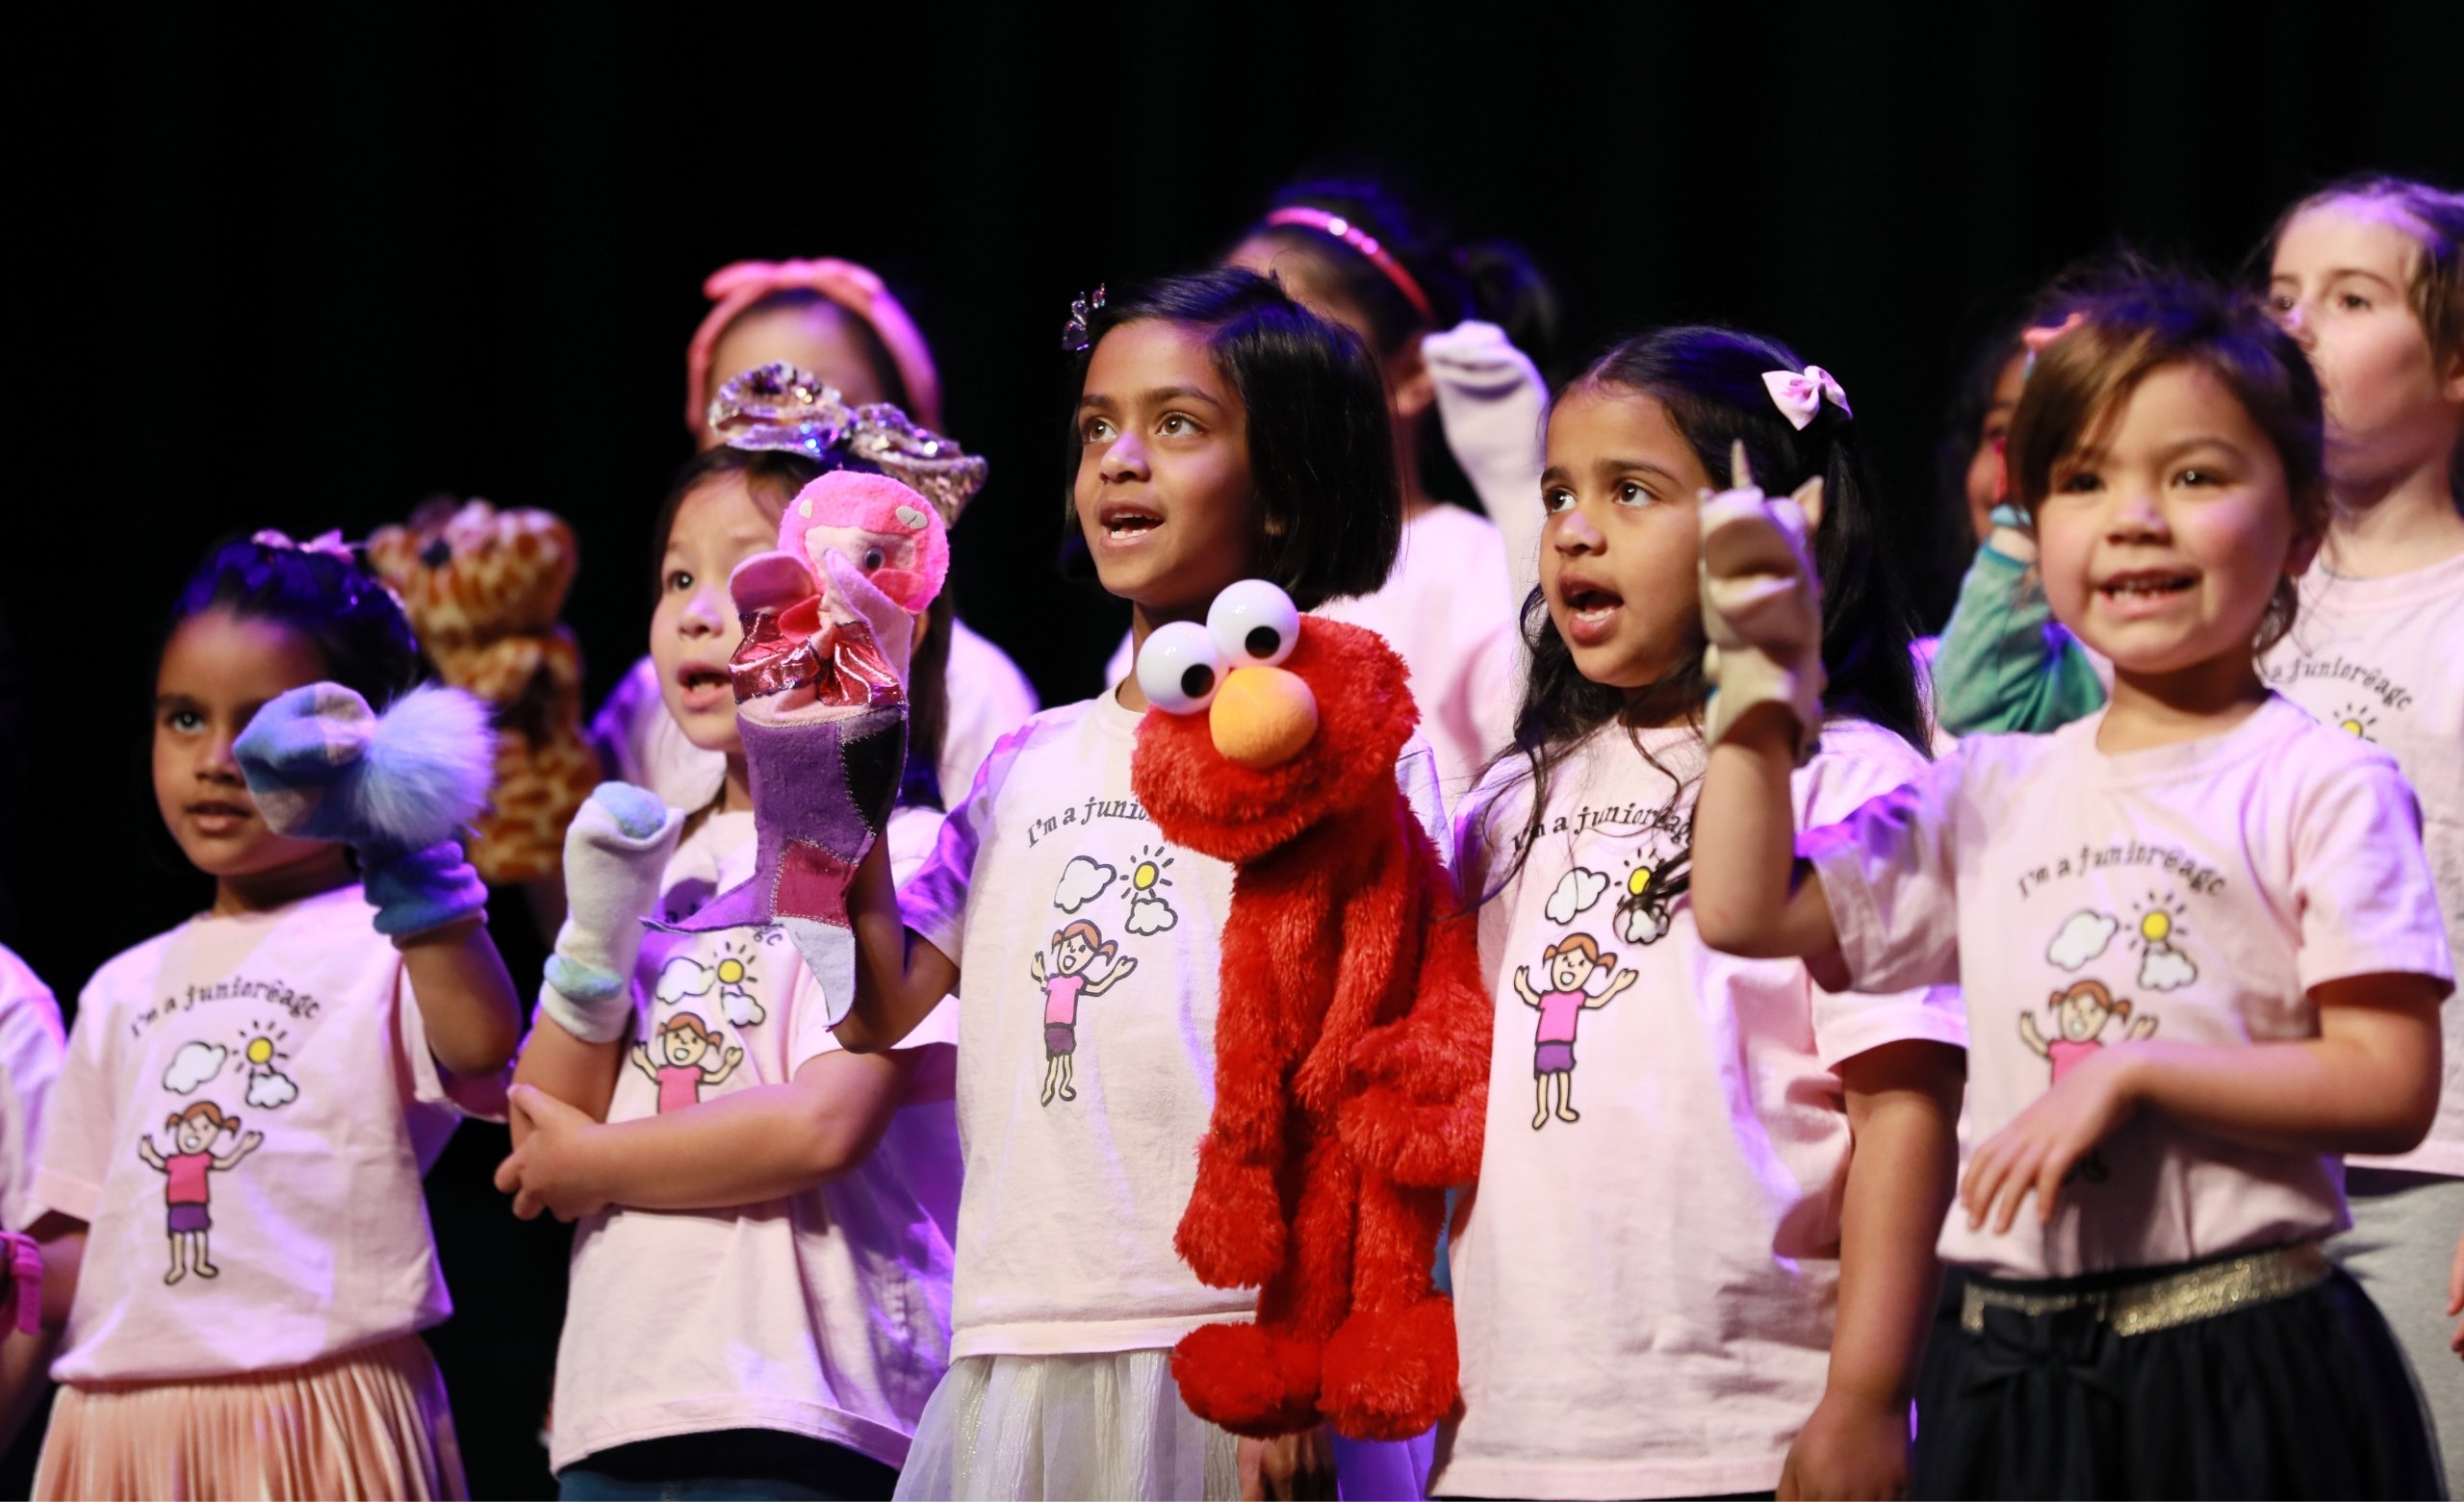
(1799, 395)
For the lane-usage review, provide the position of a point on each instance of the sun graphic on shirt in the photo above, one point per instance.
(1148, 874)
(262, 1055)
(2355, 719)
(2157, 932)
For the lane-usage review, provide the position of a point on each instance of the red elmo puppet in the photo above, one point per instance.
(1351, 1042)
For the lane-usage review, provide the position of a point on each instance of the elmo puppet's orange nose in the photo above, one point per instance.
(1263, 717)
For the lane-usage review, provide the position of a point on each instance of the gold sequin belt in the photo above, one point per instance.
(2194, 1293)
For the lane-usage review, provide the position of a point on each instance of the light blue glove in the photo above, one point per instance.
(397, 788)
(616, 850)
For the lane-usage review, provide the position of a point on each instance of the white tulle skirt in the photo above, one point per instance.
(1108, 1426)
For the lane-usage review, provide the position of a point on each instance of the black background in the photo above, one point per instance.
(301, 268)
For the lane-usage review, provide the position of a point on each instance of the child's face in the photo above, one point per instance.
(1163, 496)
(1617, 554)
(2338, 285)
(1570, 970)
(1984, 463)
(681, 1047)
(694, 629)
(1071, 955)
(2083, 1017)
(2163, 537)
(818, 337)
(217, 671)
(195, 1134)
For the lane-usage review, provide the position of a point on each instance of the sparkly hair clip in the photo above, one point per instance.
(330, 543)
(1075, 337)
(779, 407)
(1362, 241)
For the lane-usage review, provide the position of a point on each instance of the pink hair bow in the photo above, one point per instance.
(734, 288)
(1800, 393)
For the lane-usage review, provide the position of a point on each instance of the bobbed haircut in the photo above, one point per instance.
(1321, 449)
(346, 611)
(772, 477)
(2135, 319)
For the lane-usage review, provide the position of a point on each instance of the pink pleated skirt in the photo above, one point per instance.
(368, 1423)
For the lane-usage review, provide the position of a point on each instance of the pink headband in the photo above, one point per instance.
(733, 288)
(1367, 244)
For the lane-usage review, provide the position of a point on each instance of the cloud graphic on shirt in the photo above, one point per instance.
(267, 1089)
(1151, 914)
(2083, 938)
(1086, 879)
(2166, 969)
(192, 1065)
(1577, 890)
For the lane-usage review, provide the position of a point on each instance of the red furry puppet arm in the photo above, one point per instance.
(1421, 1084)
(1232, 1234)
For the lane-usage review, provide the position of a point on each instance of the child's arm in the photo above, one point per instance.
(2368, 1083)
(1752, 895)
(248, 1143)
(25, 1360)
(1623, 978)
(1903, 1103)
(468, 1006)
(744, 1148)
(900, 976)
(2004, 664)
(1522, 985)
(150, 1155)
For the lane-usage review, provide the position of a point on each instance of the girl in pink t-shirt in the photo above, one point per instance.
(350, 996)
(1071, 979)
(1700, 1230)
(2248, 882)
(785, 1204)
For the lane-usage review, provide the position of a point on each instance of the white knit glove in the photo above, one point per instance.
(1762, 605)
(1494, 409)
(616, 850)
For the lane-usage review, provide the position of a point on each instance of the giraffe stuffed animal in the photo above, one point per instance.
(483, 588)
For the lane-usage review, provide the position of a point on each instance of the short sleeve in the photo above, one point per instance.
(2366, 901)
(1888, 872)
(431, 1084)
(31, 1046)
(76, 1147)
(933, 902)
(1416, 774)
(1857, 764)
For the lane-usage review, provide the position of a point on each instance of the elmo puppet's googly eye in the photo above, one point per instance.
(1179, 669)
(1254, 624)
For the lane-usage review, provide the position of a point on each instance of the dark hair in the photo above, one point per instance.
(1321, 449)
(1951, 542)
(2136, 318)
(1492, 280)
(346, 611)
(869, 342)
(2434, 218)
(1710, 382)
(772, 477)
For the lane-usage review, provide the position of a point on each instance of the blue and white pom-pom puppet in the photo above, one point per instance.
(399, 788)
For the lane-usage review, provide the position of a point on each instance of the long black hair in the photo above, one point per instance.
(1322, 452)
(1710, 380)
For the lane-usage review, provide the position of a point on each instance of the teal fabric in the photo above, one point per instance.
(2006, 664)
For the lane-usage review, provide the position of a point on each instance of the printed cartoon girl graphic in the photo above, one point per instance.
(1570, 965)
(1071, 979)
(2080, 1015)
(682, 1057)
(193, 1133)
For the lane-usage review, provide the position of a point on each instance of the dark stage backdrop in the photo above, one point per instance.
(303, 269)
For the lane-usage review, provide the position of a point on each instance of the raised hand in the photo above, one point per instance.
(1761, 604)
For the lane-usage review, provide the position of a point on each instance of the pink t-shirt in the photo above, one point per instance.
(2210, 884)
(2383, 659)
(1559, 1012)
(187, 1171)
(1644, 1294)
(2066, 1056)
(1061, 998)
(31, 1045)
(299, 1023)
(1065, 1234)
(826, 1314)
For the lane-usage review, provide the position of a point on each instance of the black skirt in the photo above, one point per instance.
(2306, 1395)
